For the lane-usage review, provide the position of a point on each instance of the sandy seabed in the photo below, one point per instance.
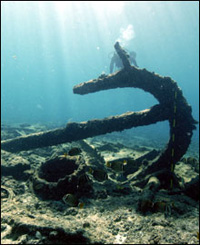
(111, 216)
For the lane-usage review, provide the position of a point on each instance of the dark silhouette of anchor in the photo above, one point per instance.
(172, 107)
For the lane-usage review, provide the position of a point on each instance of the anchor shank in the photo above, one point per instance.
(77, 131)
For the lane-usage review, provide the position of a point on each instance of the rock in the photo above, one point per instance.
(14, 165)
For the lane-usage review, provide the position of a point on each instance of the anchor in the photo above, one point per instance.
(172, 107)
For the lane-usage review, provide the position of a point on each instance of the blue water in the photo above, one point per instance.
(48, 47)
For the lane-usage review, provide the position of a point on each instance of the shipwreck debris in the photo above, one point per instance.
(172, 107)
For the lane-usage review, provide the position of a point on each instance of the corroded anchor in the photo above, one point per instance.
(172, 107)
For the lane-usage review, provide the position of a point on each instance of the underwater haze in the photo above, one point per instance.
(48, 47)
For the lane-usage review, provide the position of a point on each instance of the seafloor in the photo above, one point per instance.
(110, 215)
